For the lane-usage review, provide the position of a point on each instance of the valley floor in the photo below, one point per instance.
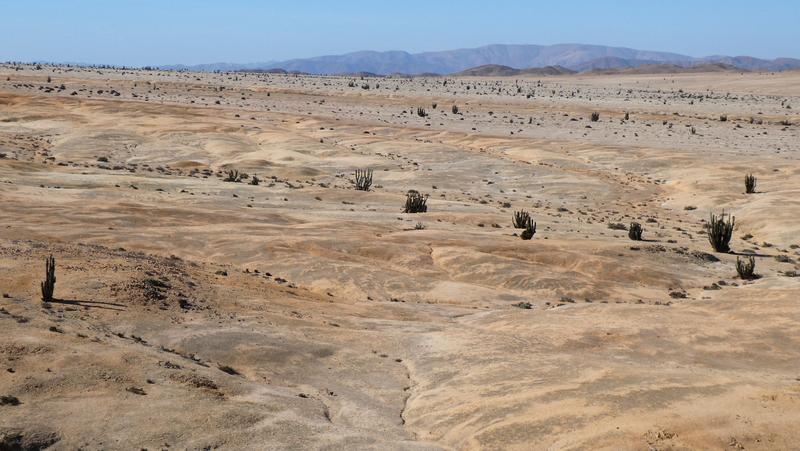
(197, 313)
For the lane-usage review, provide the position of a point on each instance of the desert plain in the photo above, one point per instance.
(192, 312)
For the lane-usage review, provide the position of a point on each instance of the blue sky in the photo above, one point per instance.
(128, 32)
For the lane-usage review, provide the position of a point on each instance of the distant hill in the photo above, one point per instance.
(576, 57)
(669, 69)
(496, 70)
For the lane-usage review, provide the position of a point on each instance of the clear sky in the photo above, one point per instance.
(156, 32)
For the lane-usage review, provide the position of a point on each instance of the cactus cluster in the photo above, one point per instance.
(746, 268)
(530, 230)
(415, 202)
(363, 179)
(635, 231)
(720, 231)
(521, 219)
(749, 184)
(233, 176)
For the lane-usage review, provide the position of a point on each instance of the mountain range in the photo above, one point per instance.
(572, 57)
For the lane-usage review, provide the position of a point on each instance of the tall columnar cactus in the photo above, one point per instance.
(363, 179)
(521, 219)
(749, 184)
(720, 231)
(49, 282)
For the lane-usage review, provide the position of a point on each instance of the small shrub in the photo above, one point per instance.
(363, 179)
(595, 117)
(255, 181)
(723, 118)
(635, 231)
(415, 202)
(746, 268)
(720, 231)
(421, 112)
(521, 219)
(454, 109)
(749, 184)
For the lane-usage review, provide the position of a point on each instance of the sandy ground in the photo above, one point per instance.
(299, 313)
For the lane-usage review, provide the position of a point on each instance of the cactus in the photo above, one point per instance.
(415, 202)
(530, 230)
(720, 231)
(635, 231)
(749, 184)
(363, 179)
(233, 176)
(746, 268)
(521, 219)
(49, 282)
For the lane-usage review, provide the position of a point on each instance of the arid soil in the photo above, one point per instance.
(192, 312)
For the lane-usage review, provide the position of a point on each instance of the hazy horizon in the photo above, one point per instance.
(151, 33)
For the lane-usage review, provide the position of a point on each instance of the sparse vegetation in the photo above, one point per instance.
(49, 282)
(720, 231)
(421, 112)
(749, 184)
(363, 179)
(635, 231)
(454, 109)
(746, 268)
(415, 202)
(255, 181)
(595, 117)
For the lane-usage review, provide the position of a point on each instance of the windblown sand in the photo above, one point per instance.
(299, 313)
